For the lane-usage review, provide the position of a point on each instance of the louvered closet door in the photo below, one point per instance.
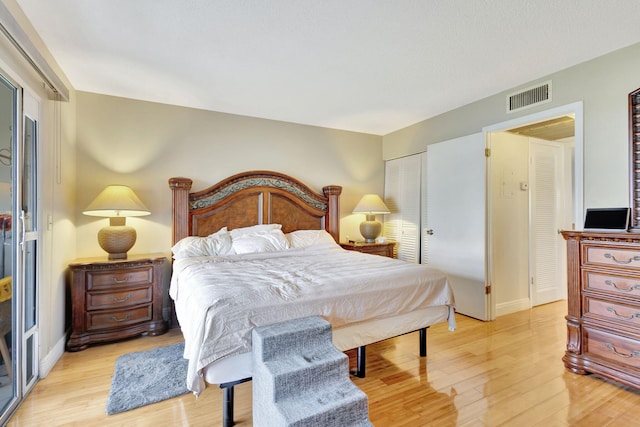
(402, 196)
(424, 211)
(547, 245)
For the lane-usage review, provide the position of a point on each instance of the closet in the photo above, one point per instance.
(402, 188)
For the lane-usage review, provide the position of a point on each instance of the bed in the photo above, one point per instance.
(260, 247)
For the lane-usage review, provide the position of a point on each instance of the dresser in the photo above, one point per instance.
(603, 321)
(383, 249)
(115, 299)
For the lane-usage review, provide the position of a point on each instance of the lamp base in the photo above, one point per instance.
(117, 238)
(370, 229)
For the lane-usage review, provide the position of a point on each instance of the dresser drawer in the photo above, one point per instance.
(109, 279)
(611, 347)
(117, 318)
(627, 257)
(125, 298)
(627, 314)
(615, 284)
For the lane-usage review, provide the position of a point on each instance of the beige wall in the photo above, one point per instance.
(59, 194)
(603, 85)
(143, 144)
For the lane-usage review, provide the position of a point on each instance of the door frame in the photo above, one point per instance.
(31, 108)
(576, 109)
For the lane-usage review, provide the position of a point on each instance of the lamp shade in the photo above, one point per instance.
(117, 202)
(371, 204)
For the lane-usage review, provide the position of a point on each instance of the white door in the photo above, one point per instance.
(454, 226)
(547, 197)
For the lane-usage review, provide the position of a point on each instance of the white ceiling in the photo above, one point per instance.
(370, 66)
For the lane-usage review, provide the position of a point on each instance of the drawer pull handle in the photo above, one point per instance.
(114, 299)
(114, 279)
(612, 283)
(617, 353)
(115, 319)
(629, 261)
(613, 310)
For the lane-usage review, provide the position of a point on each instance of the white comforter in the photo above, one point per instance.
(219, 300)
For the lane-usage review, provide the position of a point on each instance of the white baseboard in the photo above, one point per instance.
(48, 362)
(512, 306)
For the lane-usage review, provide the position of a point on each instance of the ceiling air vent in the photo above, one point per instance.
(529, 97)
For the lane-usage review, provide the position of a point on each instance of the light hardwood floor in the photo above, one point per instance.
(503, 373)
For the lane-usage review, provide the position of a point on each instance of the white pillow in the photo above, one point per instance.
(304, 238)
(254, 229)
(216, 244)
(262, 241)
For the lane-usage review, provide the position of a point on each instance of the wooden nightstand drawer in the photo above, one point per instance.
(117, 318)
(382, 249)
(109, 279)
(124, 298)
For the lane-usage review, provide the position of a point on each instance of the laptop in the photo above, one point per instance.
(609, 219)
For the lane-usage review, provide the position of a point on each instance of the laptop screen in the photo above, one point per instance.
(607, 219)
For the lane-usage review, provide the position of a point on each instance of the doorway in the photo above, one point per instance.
(534, 189)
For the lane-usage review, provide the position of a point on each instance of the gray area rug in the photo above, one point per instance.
(147, 377)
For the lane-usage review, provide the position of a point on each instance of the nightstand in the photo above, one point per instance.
(115, 299)
(383, 249)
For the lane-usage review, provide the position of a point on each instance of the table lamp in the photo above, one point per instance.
(117, 202)
(371, 205)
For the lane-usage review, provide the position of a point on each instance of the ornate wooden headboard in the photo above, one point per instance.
(250, 198)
